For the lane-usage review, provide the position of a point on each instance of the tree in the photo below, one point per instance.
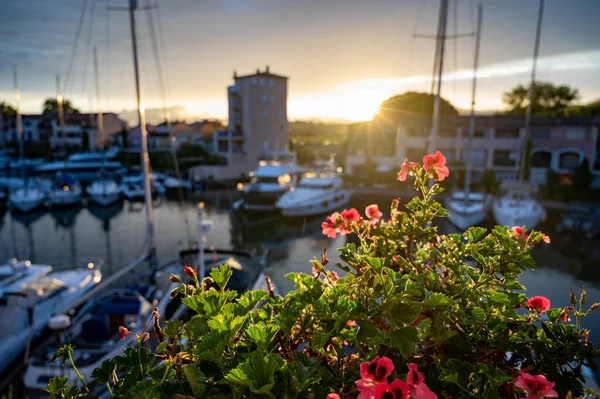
(51, 105)
(548, 99)
(412, 103)
(6, 109)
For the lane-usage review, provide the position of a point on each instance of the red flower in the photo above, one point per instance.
(396, 258)
(373, 213)
(330, 225)
(396, 390)
(124, 332)
(374, 372)
(377, 369)
(539, 304)
(405, 169)
(333, 396)
(435, 164)
(417, 388)
(191, 273)
(350, 215)
(536, 385)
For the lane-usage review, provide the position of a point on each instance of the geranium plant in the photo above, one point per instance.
(417, 315)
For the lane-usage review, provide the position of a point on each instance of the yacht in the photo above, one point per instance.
(29, 295)
(317, 193)
(277, 173)
(104, 192)
(27, 198)
(84, 170)
(133, 191)
(466, 210)
(517, 205)
(66, 191)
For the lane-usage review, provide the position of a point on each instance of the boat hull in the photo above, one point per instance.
(316, 206)
(105, 199)
(518, 215)
(465, 220)
(26, 202)
(62, 198)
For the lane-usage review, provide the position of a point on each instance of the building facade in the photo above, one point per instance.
(558, 144)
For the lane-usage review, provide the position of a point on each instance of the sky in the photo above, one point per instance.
(343, 57)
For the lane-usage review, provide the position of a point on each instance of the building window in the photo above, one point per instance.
(272, 98)
(265, 113)
(478, 133)
(568, 160)
(415, 132)
(575, 134)
(540, 134)
(541, 159)
(271, 82)
(505, 158)
(262, 81)
(507, 134)
(414, 153)
(253, 81)
(447, 132)
(265, 98)
(475, 156)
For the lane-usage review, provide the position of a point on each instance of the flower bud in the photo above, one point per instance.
(573, 298)
(594, 306)
(583, 295)
(191, 273)
(175, 279)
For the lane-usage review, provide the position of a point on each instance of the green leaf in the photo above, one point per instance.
(257, 372)
(209, 303)
(221, 275)
(319, 340)
(404, 339)
(438, 299)
(249, 300)
(375, 263)
(366, 330)
(104, 373)
(401, 313)
(478, 314)
(499, 298)
(553, 314)
(56, 384)
(172, 328)
(160, 348)
(196, 379)
(262, 336)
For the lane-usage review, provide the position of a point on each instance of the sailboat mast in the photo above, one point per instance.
(19, 125)
(144, 135)
(100, 121)
(473, 97)
(441, 37)
(530, 94)
(61, 119)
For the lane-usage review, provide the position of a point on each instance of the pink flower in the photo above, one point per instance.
(373, 373)
(405, 169)
(333, 276)
(373, 213)
(519, 233)
(396, 258)
(396, 390)
(536, 385)
(435, 165)
(539, 304)
(330, 225)
(124, 332)
(351, 215)
(546, 239)
(351, 323)
(418, 389)
(315, 271)
(333, 396)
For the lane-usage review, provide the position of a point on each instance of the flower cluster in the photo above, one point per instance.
(538, 304)
(374, 384)
(434, 165)
(342, 223)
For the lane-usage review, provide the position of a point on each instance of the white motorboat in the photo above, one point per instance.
(104, 192)
(29, 296)
(84, 171)
(467, 210)
(27, 199)
(65, 192)
(277, 173)
(317, 193)
(517, 205)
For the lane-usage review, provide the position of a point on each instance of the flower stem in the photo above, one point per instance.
(109, 390)
(70, 352)
(167, 369)
(139, 347)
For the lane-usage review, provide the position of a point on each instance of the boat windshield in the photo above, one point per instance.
(280, 180)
